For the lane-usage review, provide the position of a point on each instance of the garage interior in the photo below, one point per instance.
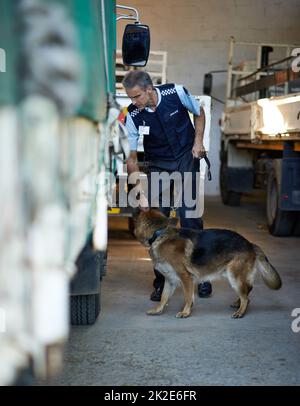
(196, 35)
(125, 346)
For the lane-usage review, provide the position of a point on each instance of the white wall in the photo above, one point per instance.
(196, 33)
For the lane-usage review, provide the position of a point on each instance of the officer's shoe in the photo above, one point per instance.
(204, 289)
(156, 294)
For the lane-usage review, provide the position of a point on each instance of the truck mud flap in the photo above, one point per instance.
(85, 287)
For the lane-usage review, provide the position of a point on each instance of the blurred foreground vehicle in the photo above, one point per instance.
(59, 133)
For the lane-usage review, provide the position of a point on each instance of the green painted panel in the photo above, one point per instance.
(96, 33)
(112, 40)
(8, 53)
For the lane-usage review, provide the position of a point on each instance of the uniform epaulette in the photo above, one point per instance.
(133, 111)
(166, 90)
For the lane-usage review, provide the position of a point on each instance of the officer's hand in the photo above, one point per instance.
(198, 150)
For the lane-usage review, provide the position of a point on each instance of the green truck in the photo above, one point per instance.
(59, 133)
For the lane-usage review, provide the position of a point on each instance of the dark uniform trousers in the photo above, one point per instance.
(185, 164)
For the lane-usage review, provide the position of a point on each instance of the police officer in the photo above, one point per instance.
(171, 143)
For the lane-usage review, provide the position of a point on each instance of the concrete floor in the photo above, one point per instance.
(127, 347)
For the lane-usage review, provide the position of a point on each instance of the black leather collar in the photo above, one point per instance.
(157, 234)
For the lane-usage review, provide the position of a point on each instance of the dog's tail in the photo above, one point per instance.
(268, 272)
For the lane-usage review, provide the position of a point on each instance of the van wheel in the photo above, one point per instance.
(85, 309)
(280, 222)
(229, 197)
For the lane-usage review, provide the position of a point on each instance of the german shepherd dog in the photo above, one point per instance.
(189, 256)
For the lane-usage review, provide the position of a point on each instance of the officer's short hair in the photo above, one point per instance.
(137, 78)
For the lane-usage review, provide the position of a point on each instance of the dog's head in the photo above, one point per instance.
(147, 222)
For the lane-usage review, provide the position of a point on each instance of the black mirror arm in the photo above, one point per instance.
(218, 100)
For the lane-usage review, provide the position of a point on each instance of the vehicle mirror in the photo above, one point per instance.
(136, 45)
(207, 85)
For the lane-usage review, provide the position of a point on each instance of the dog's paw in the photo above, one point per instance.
(154, 312)
(183, 315)
(237, 315)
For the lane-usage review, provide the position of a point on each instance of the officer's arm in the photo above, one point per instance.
(132, 163)
(198, 147)
(133, 167)
(191, 104)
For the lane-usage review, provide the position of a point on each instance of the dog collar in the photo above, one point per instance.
(157, 234)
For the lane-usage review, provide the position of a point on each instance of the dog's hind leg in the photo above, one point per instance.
(243, 301)
(188, 291)
(237, 303)
(238, 272)
(166, 294)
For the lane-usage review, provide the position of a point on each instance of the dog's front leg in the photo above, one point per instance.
(188, 291)
(167, 292)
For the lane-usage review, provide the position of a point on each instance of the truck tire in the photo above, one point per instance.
(280, 222)
(296, 230)
(84, 309)
(229, 197)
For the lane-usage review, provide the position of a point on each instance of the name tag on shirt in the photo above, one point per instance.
(144, 130)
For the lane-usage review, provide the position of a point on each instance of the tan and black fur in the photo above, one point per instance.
(187, 256)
